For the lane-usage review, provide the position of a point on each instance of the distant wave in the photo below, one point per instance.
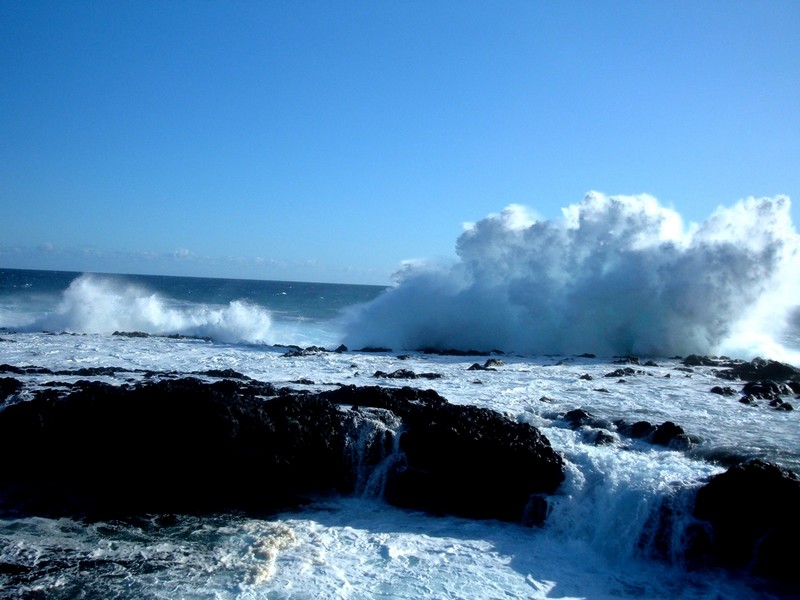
(615, 275)
(97, 304)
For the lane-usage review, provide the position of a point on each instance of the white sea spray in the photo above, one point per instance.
(615, 275)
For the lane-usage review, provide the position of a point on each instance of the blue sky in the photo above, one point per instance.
(329, 141)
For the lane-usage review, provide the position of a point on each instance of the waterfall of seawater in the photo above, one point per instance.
(373, 444)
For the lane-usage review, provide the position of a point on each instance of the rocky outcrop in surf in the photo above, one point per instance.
(463, 460)
(752, 510)
(187, 445)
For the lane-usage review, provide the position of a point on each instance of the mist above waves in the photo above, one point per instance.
(613, 275)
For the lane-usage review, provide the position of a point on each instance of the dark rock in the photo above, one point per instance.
(578, 417)
(222, 374)
(760, 369)
(310, 351)
(638, 430)
(169, 446)
(457, 352)
(695, 360)
(582, 418)
(752, 509)
(490, 365)
(375, 349)
(406, 374)
(341, 349)
(587, 355)
(627, 371)
(603, 438)
(132, 334)
(8, 387)
(651, 363)
(667, 433)
(766, 390)
(185, 445)
(586, 377)
(461, 460)
(627, 360)
(723, 391)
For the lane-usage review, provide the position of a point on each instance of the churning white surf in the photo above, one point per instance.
(98, 304)
(613, 275)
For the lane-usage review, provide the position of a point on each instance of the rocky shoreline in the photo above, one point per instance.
(218, 441)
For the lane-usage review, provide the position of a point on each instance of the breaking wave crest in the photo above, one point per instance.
(615, 275)
(97, 304)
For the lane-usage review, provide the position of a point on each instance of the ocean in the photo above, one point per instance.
(598, 541)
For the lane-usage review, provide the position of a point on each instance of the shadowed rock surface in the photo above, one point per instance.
(184, 445)
(463, 460)
(753, 512)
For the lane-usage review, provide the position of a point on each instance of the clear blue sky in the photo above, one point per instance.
(329, 141)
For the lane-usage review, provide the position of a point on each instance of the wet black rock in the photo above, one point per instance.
(188, 446)
(490, 365)
(752, 510)
(310, 351)
(603, 438)
(627, 360)
(457, 352)
(637, 430)
(723, 391)
(695, 360)
(8, 387)
(578, 417)
(666, 434)
(406, 374)
(625, 372)
(760, 369)
(582, 418)
(169, 446)
(766, 390)
(462, 460)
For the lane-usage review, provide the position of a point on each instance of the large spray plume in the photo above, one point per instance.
(615, 275)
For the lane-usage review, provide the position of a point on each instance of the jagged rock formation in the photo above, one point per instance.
(185, 445)
(752, 510)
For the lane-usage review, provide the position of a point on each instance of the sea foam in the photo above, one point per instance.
(98, 304)
(614, 275)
